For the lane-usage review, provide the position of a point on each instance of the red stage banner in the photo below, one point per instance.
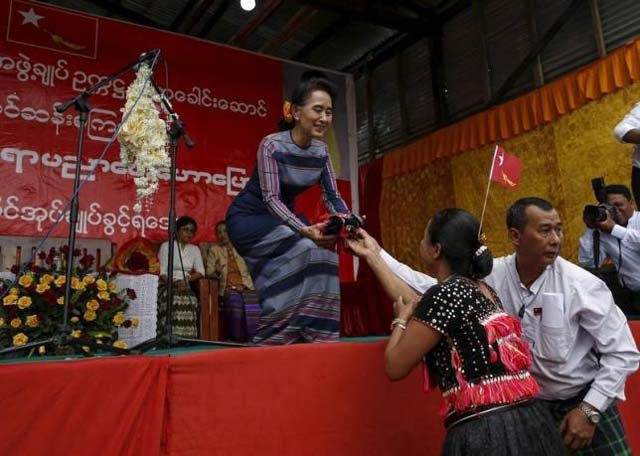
(228, 99)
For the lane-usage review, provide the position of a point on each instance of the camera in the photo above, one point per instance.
(592, 213)
(348, 222)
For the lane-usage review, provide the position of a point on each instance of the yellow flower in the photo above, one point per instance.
(42, 287)
(32, 321)
(60, 300)
(118, 319)
(24, 302)
(120, 344)
(46, 278)
(104, 295)
(113, 287)
(9, 299)
(20, 339)
(77, 284)
(1, 321)
(42, 350)
(74, 319)
(88, 279)
(135, 322)
(93, 305)
(60, 281)
(25, 280)
(76, 334)
(14, 291)
(102, 285)
(89, 315)
(16, 323)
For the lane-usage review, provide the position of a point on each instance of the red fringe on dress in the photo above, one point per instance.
(504, 332)
(504, 389)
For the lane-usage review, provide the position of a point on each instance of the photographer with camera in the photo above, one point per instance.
(616, 223)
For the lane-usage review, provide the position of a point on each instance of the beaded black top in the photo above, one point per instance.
(475, 330)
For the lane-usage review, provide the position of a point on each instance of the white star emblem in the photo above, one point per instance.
(30, 17)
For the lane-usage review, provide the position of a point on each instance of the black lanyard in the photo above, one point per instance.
(620, 263)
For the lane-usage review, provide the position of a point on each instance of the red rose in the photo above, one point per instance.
(64, 250)
(11, 312)
(86, 261)
(127, 323)
(42, 255)
(50, 297)
(131, 294)
(77, 252)
(15, 269)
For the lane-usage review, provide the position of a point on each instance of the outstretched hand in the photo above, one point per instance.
(362, 244)
(316, 234)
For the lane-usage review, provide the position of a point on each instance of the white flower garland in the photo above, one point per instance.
(144, 138)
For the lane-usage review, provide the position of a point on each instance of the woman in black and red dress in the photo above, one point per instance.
(472, 348)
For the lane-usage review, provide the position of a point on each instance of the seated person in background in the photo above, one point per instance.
(241, 305)
(619, 241)
(582, 359)
(628, 131)
(473, 347)
(187, 268)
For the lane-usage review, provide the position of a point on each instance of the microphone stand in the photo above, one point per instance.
(168, 339)
(81, 104)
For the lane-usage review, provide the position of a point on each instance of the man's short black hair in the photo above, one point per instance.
(618, 189)
(516, 214)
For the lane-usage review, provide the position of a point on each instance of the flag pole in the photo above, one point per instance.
(486, 195)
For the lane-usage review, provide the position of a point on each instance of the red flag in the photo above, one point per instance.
(506, 169)
(52, 28)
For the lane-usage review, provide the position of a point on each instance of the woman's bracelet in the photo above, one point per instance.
(399, 322)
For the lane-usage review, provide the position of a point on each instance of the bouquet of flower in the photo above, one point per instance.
(33, 308)
(143, 137)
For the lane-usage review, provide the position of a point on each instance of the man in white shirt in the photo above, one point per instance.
(628, 131)
(619, 240)
(583, 349)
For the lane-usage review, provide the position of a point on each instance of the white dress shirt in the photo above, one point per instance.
(630, 121)
(564, 353)
(191, 259)
(623, 241)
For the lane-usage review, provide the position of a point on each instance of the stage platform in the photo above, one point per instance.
(321, 399)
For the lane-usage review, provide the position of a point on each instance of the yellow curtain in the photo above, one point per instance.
(560, 158)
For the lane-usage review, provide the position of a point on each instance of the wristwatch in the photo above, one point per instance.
(592, 414)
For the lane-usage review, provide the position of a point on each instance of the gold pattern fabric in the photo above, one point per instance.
(559, 161)
(406, 204)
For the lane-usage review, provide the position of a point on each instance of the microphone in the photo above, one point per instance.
(174, 115)
(149, 55)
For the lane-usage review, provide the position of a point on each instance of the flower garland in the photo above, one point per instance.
(143, 137)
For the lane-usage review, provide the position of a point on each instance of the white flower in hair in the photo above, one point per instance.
(144, 138)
